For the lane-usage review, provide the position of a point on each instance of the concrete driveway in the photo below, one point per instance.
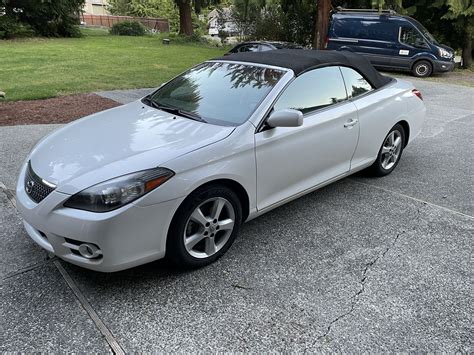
(361, 265)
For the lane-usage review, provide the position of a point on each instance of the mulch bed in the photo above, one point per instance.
(56, 110)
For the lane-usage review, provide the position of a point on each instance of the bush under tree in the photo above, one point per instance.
(128, 28)
(11, 28)
(49, 18)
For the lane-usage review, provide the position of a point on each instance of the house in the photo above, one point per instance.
(96, 7)
(221, 20)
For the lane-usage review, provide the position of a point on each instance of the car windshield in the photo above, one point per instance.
(216, 92)
(425, 32)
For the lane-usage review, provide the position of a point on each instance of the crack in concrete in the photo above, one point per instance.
(27, 269)
(362, 281)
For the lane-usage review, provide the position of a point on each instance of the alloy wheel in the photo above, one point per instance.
(391, 149)
(209, 227)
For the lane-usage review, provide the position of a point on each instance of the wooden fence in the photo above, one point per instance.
(152, 23)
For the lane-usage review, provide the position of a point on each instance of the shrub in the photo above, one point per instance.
(11, 28)
(128, 28)
(49, 18)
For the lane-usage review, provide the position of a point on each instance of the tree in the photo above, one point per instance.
(185, 18)
(461, 12)
(147, 8)
(47, 17)
(322, 23)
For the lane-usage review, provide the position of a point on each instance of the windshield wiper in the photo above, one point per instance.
(177, 111)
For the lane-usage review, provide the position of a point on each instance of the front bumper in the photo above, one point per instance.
(127, 237)
(441, 66)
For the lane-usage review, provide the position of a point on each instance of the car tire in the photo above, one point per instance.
(390, 152)
(422, 69)
(199, 233)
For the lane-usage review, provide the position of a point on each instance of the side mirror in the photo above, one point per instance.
(285, 118)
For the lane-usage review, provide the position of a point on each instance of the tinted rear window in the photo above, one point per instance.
(375, 30)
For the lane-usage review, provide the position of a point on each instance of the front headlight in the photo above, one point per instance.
(444, 53)
(115, 193)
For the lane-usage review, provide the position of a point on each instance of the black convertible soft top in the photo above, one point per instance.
(301, 61)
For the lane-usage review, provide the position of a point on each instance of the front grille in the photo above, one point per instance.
(35, 187)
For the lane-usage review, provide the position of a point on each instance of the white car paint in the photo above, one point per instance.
(272, 166)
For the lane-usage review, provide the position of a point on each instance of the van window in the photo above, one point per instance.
(374, 30)
(410, 36)
(313, 90)
(355, 83)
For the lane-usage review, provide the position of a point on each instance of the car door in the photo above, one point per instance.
(291, 160)
(410, 42)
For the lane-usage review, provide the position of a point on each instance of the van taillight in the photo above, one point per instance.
(417, 93)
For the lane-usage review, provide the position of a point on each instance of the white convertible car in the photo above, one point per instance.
(177, 173)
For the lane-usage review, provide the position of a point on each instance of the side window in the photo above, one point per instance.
(249, 48)
(355, 83)
(410, 36)
(264, 48)
(312, 90)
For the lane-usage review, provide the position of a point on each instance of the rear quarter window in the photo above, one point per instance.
(356, 84)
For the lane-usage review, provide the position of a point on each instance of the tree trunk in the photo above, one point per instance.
(185, 19)
(322, 24)
(197, 6)
(466, 47)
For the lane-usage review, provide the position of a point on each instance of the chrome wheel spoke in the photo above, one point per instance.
(385, 149)
(210, 248)
(217, 208)
(391, 139)
(198, 217)
(226, 224)
(192, 240)
(397, 142)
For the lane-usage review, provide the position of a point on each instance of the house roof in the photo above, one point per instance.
(301, 61)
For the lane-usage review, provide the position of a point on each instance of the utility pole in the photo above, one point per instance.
(321, 26)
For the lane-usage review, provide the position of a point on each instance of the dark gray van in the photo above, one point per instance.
(390, 41)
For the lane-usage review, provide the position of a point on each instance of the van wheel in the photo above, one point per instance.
(422, 69)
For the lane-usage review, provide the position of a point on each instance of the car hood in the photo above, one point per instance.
(115, 142)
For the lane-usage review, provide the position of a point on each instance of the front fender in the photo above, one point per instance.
(232, 158)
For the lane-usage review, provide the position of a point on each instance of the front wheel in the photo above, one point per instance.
(204, 227)
(422, 69)
(390, 152)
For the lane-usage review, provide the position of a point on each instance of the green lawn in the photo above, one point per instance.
(42, 68)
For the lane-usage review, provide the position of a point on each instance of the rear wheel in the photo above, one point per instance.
(390, 152)
(204, 227)
(422, 69)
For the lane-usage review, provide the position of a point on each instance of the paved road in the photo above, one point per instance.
(361, 265)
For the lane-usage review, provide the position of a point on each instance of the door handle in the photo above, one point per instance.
(351, 123)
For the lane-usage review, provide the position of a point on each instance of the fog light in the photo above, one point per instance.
(89, 251)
